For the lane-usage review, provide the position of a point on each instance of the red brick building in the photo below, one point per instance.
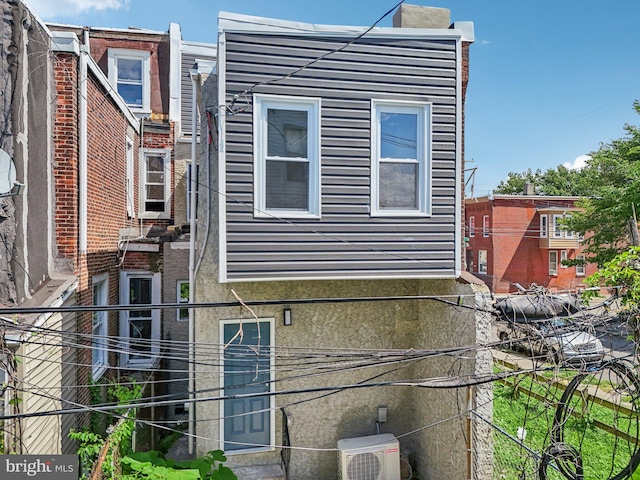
(519, 239)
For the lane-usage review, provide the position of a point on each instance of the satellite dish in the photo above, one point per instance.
(7, 172)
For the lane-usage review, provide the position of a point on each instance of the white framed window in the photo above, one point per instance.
(400, 158)
(472, 226)
(182, 296)
(485, 226)
(140, 328)
(155, 183)
(100, 326)
(563, 257)
(286, 156)
(544, 227)
(130, 74)
(553, 262)
(130, 179)
(581, 268)
(557, 228)
(482, 261)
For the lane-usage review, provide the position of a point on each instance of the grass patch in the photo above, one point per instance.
(603, 436)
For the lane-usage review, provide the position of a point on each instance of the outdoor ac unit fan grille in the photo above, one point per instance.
(374, 457)
(363, 466)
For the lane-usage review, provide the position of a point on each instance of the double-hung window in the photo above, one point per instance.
(286, 156)
(581, 267)
(485, 226)
(482, 261)
(99, 326)
(553, 262)
(563, 258)
(155, 188)
(140, 327)
(472, 226)
(130, 74)
(400, 158)
(543, 226)
(557, 226)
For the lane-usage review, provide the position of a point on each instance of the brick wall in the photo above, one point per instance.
(65, 157)
(107, 133)
(513, 245)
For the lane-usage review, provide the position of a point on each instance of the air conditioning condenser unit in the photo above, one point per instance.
(376, 457)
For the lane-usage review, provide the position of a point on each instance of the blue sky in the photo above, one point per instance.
(549, 80)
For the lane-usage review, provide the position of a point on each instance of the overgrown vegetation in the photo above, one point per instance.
(114, 447)
(153, 465)
(117, 440)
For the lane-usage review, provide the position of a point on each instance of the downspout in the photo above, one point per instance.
(82, 145)
(193, 184)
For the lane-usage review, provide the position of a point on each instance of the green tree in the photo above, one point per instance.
(559, 181)
(614, 180)
(514, 184)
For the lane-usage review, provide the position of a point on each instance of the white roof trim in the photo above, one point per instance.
(233, 22)
(203, 49)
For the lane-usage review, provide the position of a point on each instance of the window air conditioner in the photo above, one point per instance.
(376, 457)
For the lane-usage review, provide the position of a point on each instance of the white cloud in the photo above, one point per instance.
(48, 10)
(578, 163)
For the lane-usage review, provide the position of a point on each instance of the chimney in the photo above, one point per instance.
(416, 16)
(529, 189)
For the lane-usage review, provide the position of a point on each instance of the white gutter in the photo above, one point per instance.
(82, 145)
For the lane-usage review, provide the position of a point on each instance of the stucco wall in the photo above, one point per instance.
(440, 442)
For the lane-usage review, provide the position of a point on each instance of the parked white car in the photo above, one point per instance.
(558, 339)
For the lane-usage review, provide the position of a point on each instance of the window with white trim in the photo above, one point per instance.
(581, 267)
(482, 261)
(472, 226)
(563, 258)
(155, 183)
(485, 226)
(544, 229)
(557, 227)
(130, 74)
(182, 296)
(553, 262)
(400, 158)
(140, 328)
(100, 326)
(286, 156)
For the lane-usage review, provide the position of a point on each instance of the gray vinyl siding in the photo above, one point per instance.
(346, 241)
(188, 62)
